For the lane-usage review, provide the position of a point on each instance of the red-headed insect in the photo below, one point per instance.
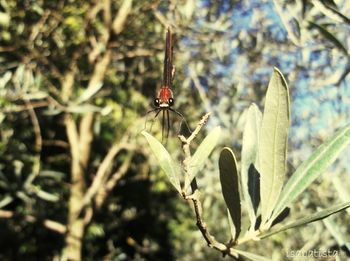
(165, 99)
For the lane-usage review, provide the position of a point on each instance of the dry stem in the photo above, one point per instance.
(195, 197)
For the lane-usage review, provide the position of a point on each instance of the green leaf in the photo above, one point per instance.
(229, 185)
(165, 161)
(273, 143)
(5, 79)
(201, 155)
(337, 233)
(305, 220)
(249, 157)
(4, 19)
(57, 175)
(89, 92)
(330, 11)
(46, 195)
(341, 189)
(329, 36)
(313, 167)
(251, 256)
(5, 201)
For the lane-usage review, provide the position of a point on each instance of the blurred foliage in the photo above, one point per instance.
(224, 53)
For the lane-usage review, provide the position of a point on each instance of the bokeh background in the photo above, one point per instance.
(76, 81)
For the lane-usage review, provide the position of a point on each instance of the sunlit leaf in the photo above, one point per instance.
(89, 92)
(5, 201)
(46, 195)
(231, 225)
(5, 79)
(330, 11)
(337, 233)
(165, 161)
(4, 19)
(312, 168)
(249, 160)
(229, 186)
(341, 188)
(273, 143)
(201, 155)
(57, 175)
(311, 218)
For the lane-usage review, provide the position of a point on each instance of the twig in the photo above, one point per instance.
(102, 172)
(120, 19)
(104, 191)
(50, 224)
(201, 91)
(36, 129)
(195, 197)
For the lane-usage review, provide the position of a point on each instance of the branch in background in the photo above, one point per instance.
(103, 172)
(107, 15)
(104, 191)
(202, 93)
(50, 224)
(67, 81)
(38, 144)
(85, 139)
(284, 18)
(123, 13)
(20, 108)
(36, 128)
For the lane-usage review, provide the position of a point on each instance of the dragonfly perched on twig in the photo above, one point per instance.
(165, 99)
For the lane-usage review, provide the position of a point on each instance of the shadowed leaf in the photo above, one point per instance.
(254, 187)
(250, 181)
(281, 216)
(229, 186)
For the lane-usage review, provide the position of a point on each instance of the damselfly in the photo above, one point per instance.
(165, 100)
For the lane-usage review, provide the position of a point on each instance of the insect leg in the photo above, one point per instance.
(163, 122)
(168, 123)
(182, 119)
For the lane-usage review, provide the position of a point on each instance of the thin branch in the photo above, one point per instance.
(102, 172)
(104, 191)
(195, 197)
(20, 108)
(120, 19)
(38, 144)
(86, 136)
(107, 16)
(202, 93)
(67, 81)
(50, 224)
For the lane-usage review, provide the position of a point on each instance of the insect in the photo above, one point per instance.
(165, 99)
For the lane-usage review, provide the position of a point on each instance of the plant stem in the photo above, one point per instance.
(195, 196)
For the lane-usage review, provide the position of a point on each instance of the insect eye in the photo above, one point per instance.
(171, 101)
(156, 102)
